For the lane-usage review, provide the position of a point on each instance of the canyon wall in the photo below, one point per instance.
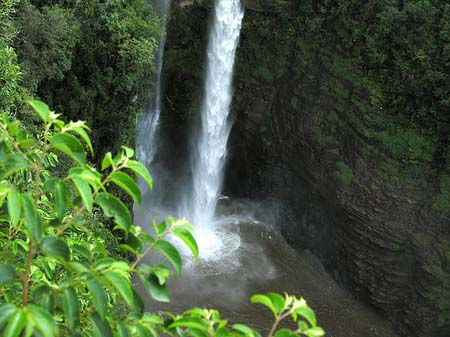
(306, 137)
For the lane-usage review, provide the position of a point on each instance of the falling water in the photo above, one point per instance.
(210, 150)
(149, 123)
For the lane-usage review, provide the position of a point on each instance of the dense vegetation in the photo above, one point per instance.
(61, 272)
(90, 60)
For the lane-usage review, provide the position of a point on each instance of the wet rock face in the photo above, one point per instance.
(298, 141)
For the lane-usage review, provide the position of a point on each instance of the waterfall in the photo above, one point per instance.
(149, 122)
(210, 150)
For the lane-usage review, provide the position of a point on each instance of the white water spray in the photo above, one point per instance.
(149, 123)
(210, 151)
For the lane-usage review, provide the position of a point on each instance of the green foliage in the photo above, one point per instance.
(57, 277)
(442, 201)
(90, 60)
(45, 43)
(344, 174)
(321, 138)
(440, 292)
(10, 91)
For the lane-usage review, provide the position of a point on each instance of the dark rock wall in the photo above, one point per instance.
(300, 140)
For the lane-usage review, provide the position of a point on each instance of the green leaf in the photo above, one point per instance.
(41, 108)
(128, 152)
(99, 295)
(89, 175)
(33, 220)
(198, 333)
(125, 182)
(70, 145)
(55, 248)
(156, 291)
(170, 252)
(79, 127)
(122, 285)
(244, 329)
(159, 229)
(138, 305)
(61, 198)
(187, 237)
(71, 307)
(14, 207)
(315, 332)
(84, 190)
(107, 161)
(190, 322)
(277, 301)
(16, 323)
(307, 313)
(114, 207)
(101, 327)
(161, 272)
(264, 300)
(285, 333)
(42, 320)
(14, 162)
(141, 170)
(5, 311)
(122, 330)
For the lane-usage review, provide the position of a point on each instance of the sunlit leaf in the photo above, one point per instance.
(41, 108)
(42, 320)
(170, 252)
(156, 291)
(80, 128)
(84, 190)
(264, 300)
(16, 323)
(307, 313)
(122, 330)
(315, 332)
(159, 228)
(122, 285)
(187, 237)
(5, 311)
(70, 145)
(277, 301)
(107, 161)
(125, 182)
(190, 322)
(244, 329)
(128, 151)
(285, 333)
(141, 170)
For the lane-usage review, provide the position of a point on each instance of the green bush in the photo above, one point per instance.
(344, 174)
(56, 276)
(442, 201)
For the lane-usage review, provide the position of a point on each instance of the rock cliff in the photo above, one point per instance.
(303, 138)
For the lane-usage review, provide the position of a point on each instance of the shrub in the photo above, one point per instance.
(56, 277)
(344, 174)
